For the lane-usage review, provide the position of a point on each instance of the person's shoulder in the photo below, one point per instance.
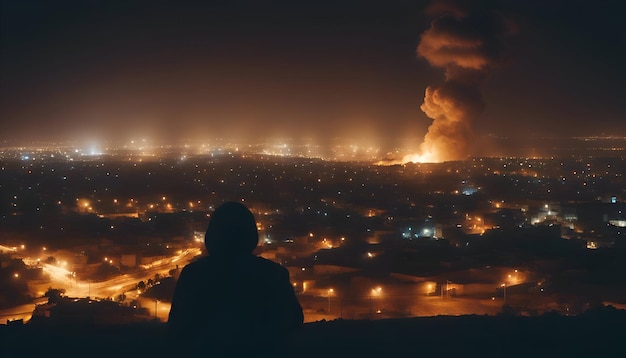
(198, 265)
(270, 265)
(265, 262)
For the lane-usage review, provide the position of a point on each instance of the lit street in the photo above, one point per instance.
(62, 278)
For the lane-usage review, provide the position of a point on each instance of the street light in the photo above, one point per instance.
(375, 291)
(504, 288)
(330, 291)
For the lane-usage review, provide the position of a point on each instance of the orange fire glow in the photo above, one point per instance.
(429, 157)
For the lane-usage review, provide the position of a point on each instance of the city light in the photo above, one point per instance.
(330, 291)
(417, 246)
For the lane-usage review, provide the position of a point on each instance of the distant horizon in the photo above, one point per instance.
(387, 152)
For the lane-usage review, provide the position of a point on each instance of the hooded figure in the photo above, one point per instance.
(233, 302)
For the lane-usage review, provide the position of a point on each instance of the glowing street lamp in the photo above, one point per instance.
(504, 288)
(330, 291)
(375, 291)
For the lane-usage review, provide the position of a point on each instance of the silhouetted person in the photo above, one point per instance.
(233, 302)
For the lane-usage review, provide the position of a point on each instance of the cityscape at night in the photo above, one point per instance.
(417, 167)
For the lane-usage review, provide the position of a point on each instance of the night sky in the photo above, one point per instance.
(174, 70)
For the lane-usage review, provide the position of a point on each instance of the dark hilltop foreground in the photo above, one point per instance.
(595, 333)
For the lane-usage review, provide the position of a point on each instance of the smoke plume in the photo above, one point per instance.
(465, 41)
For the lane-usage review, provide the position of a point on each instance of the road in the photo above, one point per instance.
(62, 278)
(24, 312)
(316, 307)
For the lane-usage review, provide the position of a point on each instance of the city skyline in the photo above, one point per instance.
(101, 71)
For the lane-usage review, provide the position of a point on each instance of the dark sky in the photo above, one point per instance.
(172, 70)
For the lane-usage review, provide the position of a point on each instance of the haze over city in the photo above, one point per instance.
(118, 71)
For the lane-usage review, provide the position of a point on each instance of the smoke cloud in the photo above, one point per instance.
(465, 40)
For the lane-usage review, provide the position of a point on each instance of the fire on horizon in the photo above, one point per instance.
(466, 43)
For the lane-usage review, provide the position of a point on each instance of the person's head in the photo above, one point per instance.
(231, 231)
